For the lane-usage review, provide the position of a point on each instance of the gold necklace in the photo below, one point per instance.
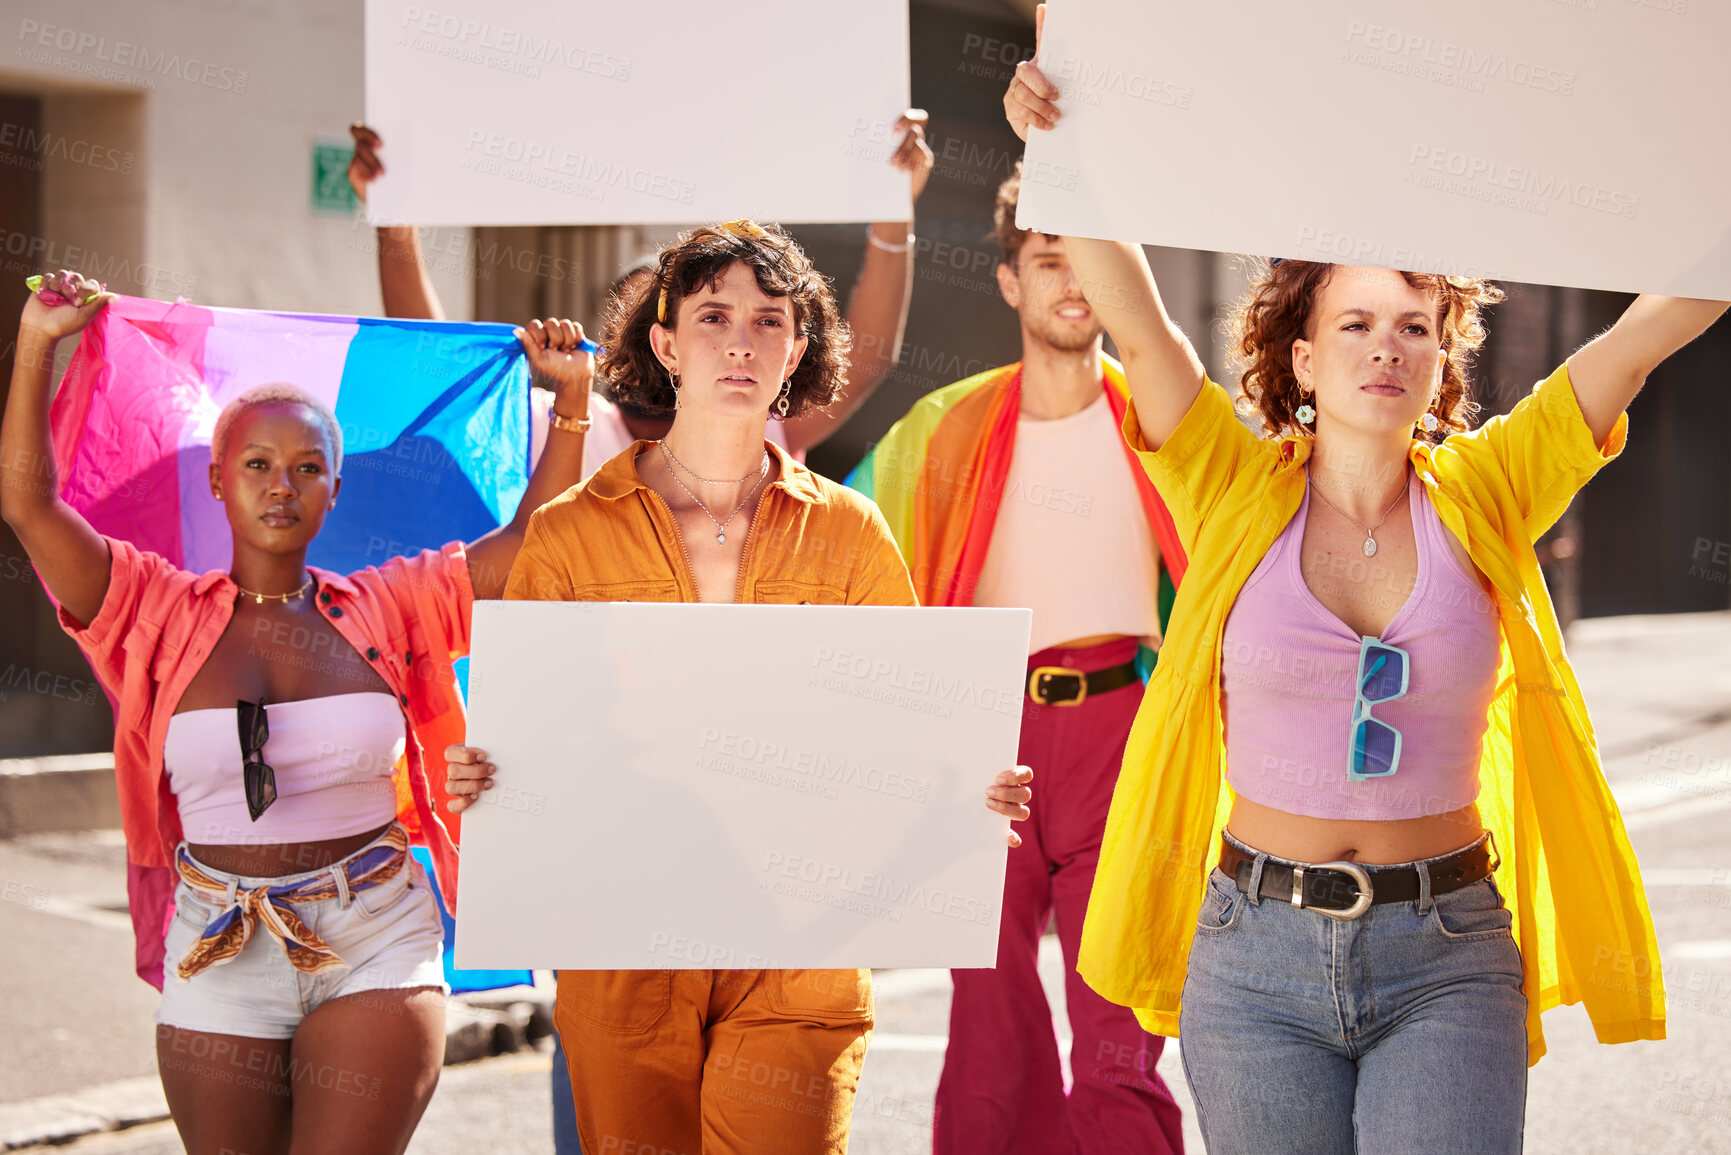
(280, 599)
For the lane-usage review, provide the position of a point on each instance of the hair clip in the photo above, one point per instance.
(1276, 262)
(745, 227)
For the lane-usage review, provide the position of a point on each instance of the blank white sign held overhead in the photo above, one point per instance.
(738, 786)
(1535, 140)
(547, 112)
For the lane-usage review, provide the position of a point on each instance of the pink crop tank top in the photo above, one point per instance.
(333, 760)
(1288, 674)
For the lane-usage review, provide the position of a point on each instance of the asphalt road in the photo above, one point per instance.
(1660, 694)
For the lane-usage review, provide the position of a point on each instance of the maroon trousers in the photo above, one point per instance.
(1002, 1088)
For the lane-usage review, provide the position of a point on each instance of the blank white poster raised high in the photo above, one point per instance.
(1532, 140)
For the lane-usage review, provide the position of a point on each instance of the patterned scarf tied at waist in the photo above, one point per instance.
(272, 907)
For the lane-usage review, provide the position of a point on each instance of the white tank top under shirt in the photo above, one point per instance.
(1071, 540)
(332, 758)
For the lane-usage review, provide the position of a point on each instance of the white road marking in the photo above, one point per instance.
(1701, 950)
(897, 984)
(85, 913)
(1675, 812)
(1687, 876)
(931, 1044)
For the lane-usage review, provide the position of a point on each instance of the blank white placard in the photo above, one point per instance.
(738, 786)
(1561, 143)
(545, 112)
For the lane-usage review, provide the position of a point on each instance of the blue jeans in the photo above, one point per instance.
(1401, 1031)
(565, 1141)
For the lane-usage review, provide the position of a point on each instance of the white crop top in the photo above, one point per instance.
(332, 757)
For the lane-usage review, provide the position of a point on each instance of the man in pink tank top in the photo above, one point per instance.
(1023, 494)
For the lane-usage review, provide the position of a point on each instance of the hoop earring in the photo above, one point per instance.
(781, 402)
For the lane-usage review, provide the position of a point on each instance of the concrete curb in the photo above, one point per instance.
(67, 792)
(477, 1026)
(487, 1023)
(61, 1118)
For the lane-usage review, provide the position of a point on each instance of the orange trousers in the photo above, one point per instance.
(730, 1062)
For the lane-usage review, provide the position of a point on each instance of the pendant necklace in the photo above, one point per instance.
(721, 524)
(1369, 546)
(280, 599)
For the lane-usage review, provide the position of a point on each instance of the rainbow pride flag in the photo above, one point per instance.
(939, 476)
(435, 419)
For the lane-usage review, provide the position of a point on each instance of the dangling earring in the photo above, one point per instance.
(674, 379)
(1305, 415)
(781, 402)
(1429, 422)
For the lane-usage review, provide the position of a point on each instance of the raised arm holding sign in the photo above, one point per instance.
(1363, 578)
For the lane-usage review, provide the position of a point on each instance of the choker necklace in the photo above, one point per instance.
(714, 480)
(721, 524)
(1369, 546)
(280, 599)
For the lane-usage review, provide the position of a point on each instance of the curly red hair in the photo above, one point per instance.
(1277, 310)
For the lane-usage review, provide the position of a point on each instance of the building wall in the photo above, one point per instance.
(208, 112)
(962, 56)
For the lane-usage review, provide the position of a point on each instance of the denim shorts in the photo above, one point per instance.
(1403, 1030)
(389, 935)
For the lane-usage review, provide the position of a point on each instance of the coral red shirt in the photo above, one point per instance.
(158, 623)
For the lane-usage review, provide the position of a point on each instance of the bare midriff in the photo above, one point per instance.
(1299, 838)
(275, 860)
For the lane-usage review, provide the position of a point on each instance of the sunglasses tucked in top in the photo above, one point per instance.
(1319, 719)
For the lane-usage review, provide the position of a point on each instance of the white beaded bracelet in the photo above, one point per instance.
(885, 245)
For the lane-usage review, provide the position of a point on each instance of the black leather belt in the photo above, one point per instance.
(1345, 890)
(1065, 686)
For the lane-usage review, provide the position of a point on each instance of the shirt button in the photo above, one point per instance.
(325, 596)
(336, 611)
(372, 654)
(408, 658)
(403, 698)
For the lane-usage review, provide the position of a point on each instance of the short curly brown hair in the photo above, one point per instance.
(697, 259)
(1010, 238)
(1276, 311)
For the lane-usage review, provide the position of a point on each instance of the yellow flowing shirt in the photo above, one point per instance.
(1569, 874)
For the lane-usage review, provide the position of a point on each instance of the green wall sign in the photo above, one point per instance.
(331, 190)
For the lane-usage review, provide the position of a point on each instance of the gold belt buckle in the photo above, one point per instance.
(1038, 693)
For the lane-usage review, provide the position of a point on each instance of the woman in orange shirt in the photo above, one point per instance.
(737, 325)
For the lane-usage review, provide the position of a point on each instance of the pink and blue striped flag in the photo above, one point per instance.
(435, 418)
